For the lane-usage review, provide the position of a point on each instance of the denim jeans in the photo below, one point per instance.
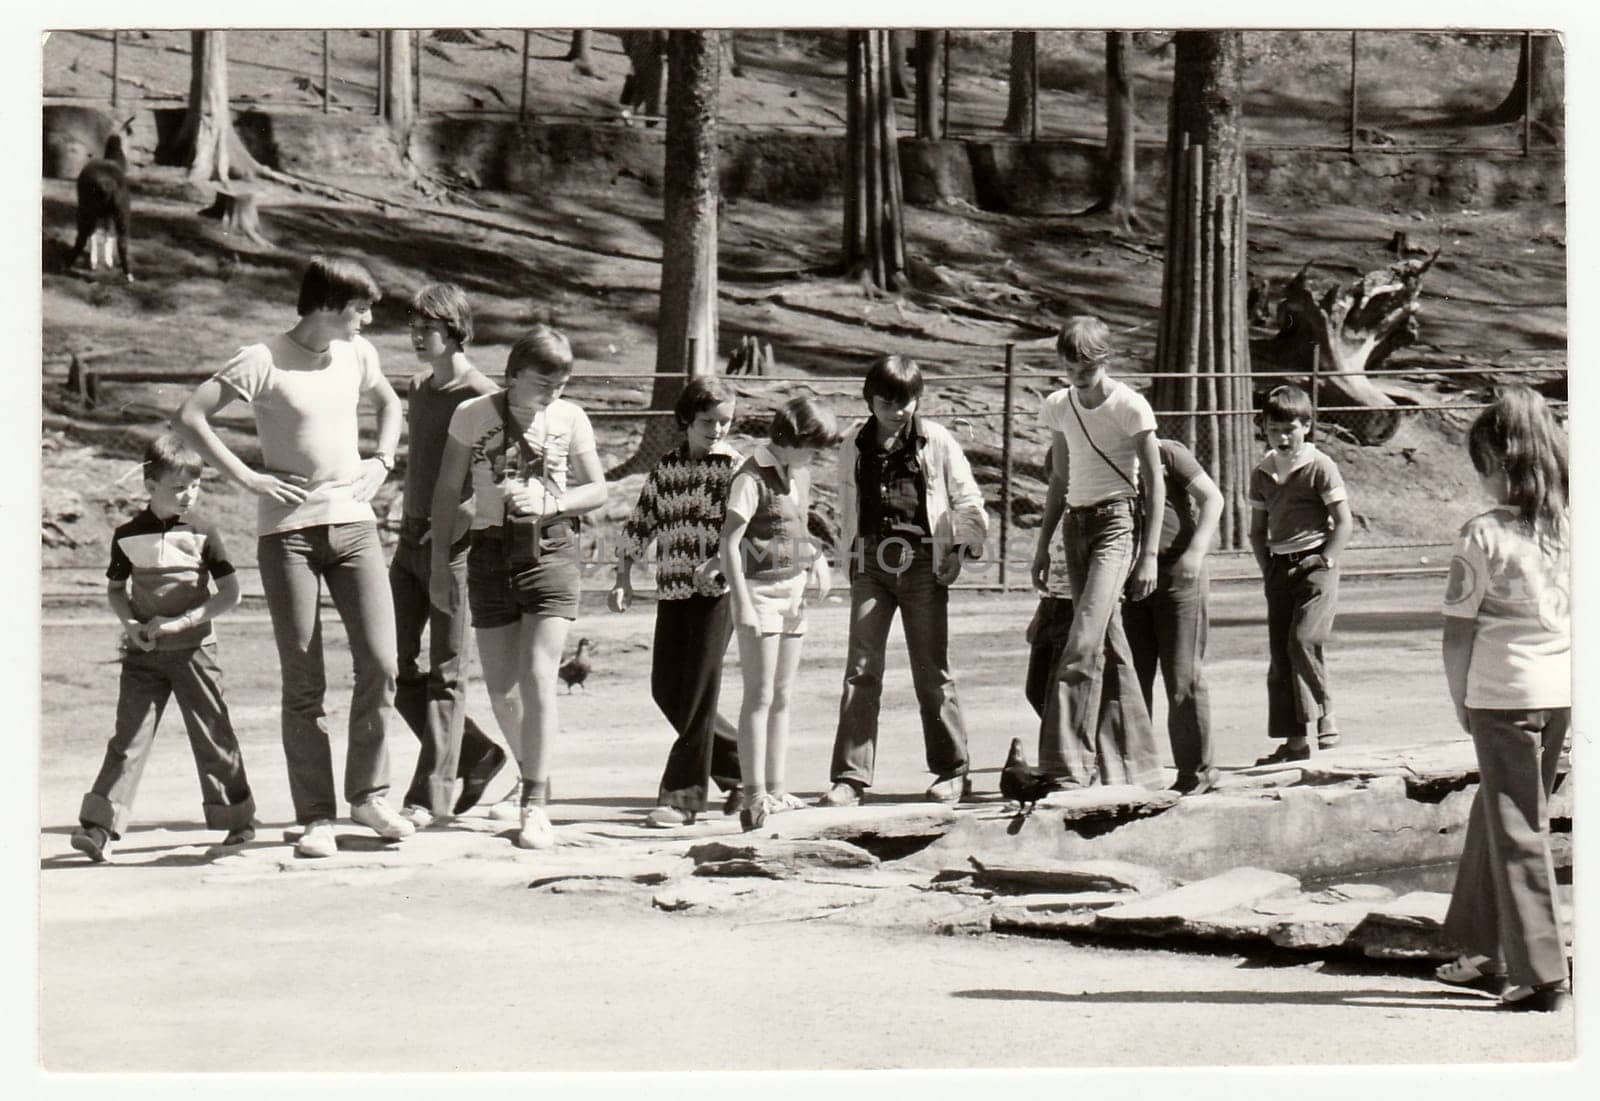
(1300, 609)
(1096, 667)
(886, 583)
(1504, 903)
(149, 679)
(294, 566)
(433, 703)
(1169, 629)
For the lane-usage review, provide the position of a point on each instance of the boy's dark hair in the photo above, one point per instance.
(333, 282)
(700, 393)
(541, 349)
(1084, 339)
(894, 378)
(167, 453)
(445, 302)
(802, 422)
(1287, 403)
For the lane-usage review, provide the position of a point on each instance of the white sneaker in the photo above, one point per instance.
(376, 815)
(318, 840)
(536, 832)
(508, 809)
(419, 817)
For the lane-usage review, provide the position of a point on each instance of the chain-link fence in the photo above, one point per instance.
(1369, 91)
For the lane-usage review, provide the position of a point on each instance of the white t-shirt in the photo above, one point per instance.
(306, 406)
(1114, 426)
(555, 434)
(1519, 598)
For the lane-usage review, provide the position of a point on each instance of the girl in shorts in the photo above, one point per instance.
(531, 459)
(768, 556)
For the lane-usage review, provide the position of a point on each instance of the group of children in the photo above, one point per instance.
(497, 481)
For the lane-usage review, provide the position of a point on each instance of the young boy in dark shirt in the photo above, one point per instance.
(158, 588)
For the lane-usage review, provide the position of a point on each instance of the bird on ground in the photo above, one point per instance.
(576, 670)
(1021, 782)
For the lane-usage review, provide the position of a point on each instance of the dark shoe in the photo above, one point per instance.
(478, 776)
(730, 805)
(950, 790)
(241, 836)
(1284, 755)
(1472, 972)
(1196, 783)
(93, 842)
(1542, 999)
(842, 794)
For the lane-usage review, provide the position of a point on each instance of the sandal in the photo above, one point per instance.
(1471, 971)
(1284, 755)
(1328, 740)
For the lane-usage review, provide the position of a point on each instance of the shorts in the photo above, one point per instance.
(774, 601)
(549, 587)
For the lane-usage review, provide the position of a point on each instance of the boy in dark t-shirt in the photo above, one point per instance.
(158, 587)
(1169, 626)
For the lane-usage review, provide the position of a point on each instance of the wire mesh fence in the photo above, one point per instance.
(1371, 91)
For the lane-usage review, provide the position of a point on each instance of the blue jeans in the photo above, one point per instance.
(294, 567)
(1096, 667)
(1169, 628)
(886, 583)
(433, 703)
(1300, 610)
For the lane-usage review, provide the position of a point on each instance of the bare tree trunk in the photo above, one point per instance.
(1122, 182)
(1024, 60)
(208, 141)
(874, 234)
(897, 64)
(689, 237)
(930, 82)
(1204, 330)
(578, 53)
(1533, 72)
(399, 93)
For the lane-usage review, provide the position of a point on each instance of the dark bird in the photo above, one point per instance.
(1021, 782)
(576, 670)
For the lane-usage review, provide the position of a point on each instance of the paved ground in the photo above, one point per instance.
(166, 962)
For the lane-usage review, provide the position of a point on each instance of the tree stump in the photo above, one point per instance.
(1356, 325)
(238, 213)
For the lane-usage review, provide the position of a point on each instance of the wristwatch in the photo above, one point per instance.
(386, 459)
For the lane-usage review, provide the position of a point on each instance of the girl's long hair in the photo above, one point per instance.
(1519, 436)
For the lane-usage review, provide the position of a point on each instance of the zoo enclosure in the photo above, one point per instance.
(1431, 81)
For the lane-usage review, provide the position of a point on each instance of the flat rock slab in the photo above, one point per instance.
(1067, 875)
(776, 859)
(1109, 801)
(1024, 919)
(869, 822)
(1234, 888)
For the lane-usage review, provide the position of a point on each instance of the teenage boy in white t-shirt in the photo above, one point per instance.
(1103, 434)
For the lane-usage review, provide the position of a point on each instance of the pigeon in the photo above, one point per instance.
(1023, 784)
(576, 671)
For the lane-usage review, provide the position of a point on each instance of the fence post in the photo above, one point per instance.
(115, 44)
(522, 103)
(1033, 81)
(326, 90)
(1527, 92)
(416, 53)
(944, 123)
(383, 76)
(1316, 379)
(1354, 96)
(1005, 460)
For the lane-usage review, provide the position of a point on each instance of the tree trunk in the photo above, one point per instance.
(1540, 75)
(1204, 329)
(578, 53)
(897, 65)
(208, 141)
(874, 236)
(930, 82)
(1122, 185)
(689, 236)
(1024, 60)
(399, 103)
(238, 213)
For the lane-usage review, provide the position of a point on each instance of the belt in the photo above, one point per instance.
(1102, 506)
(1295, 556)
